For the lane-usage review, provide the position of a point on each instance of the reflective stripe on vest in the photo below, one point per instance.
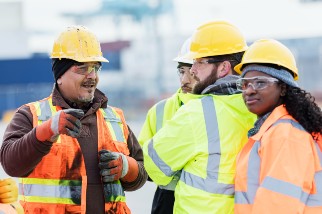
(50, 190)
(159, 115)
(45, 111)
(277, 185)
(210, 183)
(115, 192)
(65, 191)
(114, 123)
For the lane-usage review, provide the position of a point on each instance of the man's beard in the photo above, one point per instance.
(201, 85)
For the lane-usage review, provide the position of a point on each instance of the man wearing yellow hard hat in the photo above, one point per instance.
(203, 138)
(72, 152)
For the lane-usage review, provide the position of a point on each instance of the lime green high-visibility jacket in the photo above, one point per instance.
(162, 112)
(202, 140)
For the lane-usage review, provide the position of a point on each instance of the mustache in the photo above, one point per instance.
(89, 82)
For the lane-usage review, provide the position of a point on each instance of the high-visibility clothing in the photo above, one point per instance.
(162, 112)
(279, 170)
(157, 117)
(58, 183)
(202, 140)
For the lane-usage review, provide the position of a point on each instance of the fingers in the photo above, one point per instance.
(6, 182)
(109, 178)
(109, 164)
(8, 191)
(69, 124)
(78, 113)
(8, 197)
(109, 175)
(109, 156)
(103, 151)
(110, 171)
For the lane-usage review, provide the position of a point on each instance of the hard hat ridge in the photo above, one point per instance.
(269, 51)
(216, 38)
(77, 43)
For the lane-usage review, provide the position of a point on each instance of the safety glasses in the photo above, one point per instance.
(200, 62)
(257, 83)
(86, 69)
(182, 71)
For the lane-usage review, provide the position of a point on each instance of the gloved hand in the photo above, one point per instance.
(115, 166)
(63, 122)
(8, 191)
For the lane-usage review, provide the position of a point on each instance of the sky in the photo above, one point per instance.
(255, 18)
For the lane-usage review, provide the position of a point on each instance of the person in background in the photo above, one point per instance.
(9, 197)
(159, 114)
(72, 152)
(203, 138)
(279, 170)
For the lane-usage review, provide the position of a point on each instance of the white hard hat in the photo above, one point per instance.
(185, 49)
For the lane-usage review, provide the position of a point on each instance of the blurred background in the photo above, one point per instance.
(140, 38)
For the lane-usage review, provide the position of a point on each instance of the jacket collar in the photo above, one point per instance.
(276, 114)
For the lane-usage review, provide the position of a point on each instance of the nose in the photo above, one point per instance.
(193, 70)
(91, 75)
(186, 77)
(250, 89)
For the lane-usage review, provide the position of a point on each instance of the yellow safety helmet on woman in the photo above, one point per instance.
(78, 43)
(269, 51)
(216, 38)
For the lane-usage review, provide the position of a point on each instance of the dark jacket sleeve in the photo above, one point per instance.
(21, 151)
(136, 153)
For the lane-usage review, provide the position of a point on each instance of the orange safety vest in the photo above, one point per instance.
(279, 170)
(58, 183)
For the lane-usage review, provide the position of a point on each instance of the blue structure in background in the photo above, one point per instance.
(31, 79)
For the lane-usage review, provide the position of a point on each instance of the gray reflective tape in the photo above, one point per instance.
(289, 121)
(319, 152)
(316, 199)
(282, 187)
(172, 185)
(274, 184)
(242, 198)
(158, 161)
(252, 177)
(113, 190)
(160, 114)
(210, 183)
(45, 110)
(115, 123)
(54, 191)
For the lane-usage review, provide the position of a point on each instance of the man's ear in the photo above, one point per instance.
(59, 81)
(225, 69)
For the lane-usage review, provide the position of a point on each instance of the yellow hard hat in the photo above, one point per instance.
(216, 38)
(78, 43)
(183, 52)
(269, 51)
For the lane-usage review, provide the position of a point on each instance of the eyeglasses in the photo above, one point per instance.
(257, 83)
(86, 69)
(182, 71)
(199, 62)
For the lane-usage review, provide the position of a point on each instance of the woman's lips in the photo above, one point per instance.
(251, 101)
